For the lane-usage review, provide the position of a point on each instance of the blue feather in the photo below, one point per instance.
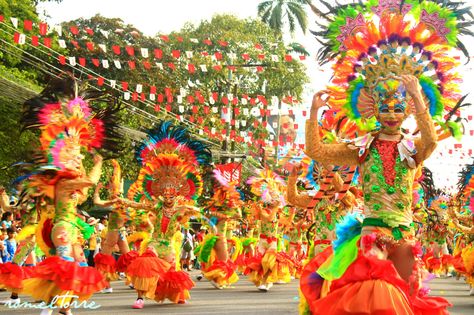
(348, 228)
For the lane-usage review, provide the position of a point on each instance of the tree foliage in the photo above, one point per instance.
(237, 77)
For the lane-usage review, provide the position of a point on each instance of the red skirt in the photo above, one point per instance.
(12, 276)
(125, 260)
(56, 276)
(174, 286)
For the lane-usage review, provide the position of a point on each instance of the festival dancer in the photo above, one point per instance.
(142, 229)
(11, 273)
(268, 265)
(213, 254)
(464, 223)
(67, 124)
(437, 259)
(170, 180)
(248, 241)
(383, 74)
(104, 261)
(294, 226)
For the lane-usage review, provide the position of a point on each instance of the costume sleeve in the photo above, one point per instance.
(294, 198)
(426, 144)
(334, 154)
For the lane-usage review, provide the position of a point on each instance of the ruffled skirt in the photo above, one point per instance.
(55, 277)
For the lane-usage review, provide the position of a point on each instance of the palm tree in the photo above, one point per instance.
(274, 13)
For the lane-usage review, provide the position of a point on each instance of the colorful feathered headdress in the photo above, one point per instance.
(226, 198)
(69, 124)
(268, 186)
(466, 182)
(375, 43)
(170, 160)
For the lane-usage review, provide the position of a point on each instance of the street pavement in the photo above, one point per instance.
(244, 298)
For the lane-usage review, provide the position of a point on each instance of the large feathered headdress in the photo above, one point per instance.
(170, 160)
(375, 43)
(226, 197)
(267, 185)
(68, 124)
(466, 182)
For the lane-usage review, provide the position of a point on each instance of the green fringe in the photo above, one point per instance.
(85, 228)
(250, 240)
(206, 249)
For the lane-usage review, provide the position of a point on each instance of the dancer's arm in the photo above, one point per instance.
(100, 202)
(4, 203)
(96, 171)
(136, 205)
(338, 154)
(292, 195)
(426, 144)
(462, 228)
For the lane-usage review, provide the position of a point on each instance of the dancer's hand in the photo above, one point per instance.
(318, 102)
(97, 158)
(412, 86)
(296, 169)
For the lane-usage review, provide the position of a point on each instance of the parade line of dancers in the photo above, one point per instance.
(361, 224)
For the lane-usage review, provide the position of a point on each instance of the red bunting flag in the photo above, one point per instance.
(130, 50)
(146, 65)
(43, 28)
(82, 61)
(165, 38)
(34, 40)
(116, 49)
(288, 58)
(131, 64)
(47, 42)
(191, 68)
(124, 85)
(176, 53)
(27, 25)
(158, 53)
(74, 30)
(90, 46)
(100, 81)
(62, 60)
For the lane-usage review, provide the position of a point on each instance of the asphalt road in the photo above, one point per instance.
(242, 299)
